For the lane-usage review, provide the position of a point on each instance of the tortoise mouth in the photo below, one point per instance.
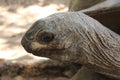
(48, 52)
(52, 54)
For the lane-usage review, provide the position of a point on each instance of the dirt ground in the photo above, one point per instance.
(16, 16)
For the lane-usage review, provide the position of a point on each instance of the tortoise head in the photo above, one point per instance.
(51, 37)
(75, 37)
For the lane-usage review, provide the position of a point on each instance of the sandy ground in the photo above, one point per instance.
(16, 16)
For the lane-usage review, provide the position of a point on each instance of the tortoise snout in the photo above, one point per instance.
(26, 43)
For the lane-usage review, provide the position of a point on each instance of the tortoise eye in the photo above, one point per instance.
(45, 37)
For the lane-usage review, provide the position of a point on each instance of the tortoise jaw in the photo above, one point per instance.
(37, 52)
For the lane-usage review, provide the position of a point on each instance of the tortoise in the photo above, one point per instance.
(88, 37)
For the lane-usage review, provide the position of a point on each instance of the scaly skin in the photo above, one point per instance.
(106, 12)
(75, 37)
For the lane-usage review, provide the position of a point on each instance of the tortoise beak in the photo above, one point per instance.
(26, 44)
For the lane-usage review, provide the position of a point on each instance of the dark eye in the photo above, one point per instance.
(45, 37)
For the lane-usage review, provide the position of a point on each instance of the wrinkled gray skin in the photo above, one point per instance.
(106, 12)
(75, 37)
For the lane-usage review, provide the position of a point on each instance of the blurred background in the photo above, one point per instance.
(16, 17)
